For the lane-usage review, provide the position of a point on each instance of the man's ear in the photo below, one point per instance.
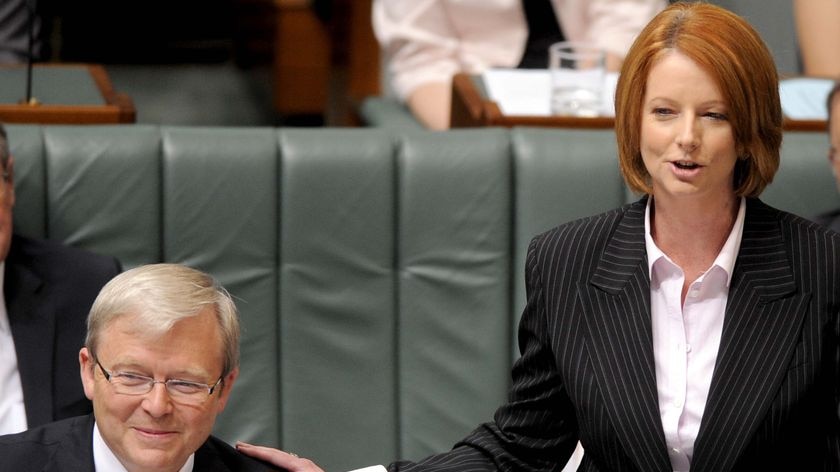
(10, 180)
(227, 386)
(10, 168)
(86, 370)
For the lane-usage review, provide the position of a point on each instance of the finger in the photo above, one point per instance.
(275, 456)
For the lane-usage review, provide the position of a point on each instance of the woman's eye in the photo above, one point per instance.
(716, 116)
(663, 111)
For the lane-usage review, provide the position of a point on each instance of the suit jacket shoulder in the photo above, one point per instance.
(49, 258)
(60, 446)
(830, 219)
(216, 455)
(811, 248)
(612, 237)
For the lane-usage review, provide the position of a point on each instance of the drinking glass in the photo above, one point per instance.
(577, 78)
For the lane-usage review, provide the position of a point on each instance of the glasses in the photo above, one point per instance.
(181, 391)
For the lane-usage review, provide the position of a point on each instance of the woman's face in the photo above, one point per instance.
(687, 142)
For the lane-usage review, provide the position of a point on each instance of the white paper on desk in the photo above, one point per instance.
(528, 91)
(803, 98)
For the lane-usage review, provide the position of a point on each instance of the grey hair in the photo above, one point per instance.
(160, 295)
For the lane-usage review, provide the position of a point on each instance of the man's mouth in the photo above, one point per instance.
(153, 432)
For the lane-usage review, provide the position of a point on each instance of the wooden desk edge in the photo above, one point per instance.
(64, 114)
(118, 107)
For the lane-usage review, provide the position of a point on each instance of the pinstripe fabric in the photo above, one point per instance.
(587, 370)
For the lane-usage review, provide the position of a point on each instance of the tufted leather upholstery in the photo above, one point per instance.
(378, 273)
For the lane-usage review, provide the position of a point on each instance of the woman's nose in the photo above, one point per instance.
(687, 138)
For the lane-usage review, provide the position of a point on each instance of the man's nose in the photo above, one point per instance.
(158, 402)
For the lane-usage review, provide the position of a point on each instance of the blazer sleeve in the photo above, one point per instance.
(536, 430)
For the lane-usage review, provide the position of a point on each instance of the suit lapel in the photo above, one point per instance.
(208, 458)
(33, 334)
(75, 451)
(761, 327)
(616, 306)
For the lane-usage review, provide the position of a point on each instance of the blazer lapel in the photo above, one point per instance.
(75, 450)
(33, 333)
(210, 457)
(207, 458)
(616, 304)
(763, 320)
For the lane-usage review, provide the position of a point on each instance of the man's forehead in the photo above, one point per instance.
(131, 333)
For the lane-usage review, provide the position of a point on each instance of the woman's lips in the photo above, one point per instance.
(685, 169)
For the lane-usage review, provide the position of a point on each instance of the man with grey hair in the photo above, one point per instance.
(160, 359)
(48, 289)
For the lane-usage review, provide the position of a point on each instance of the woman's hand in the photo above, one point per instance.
(286, 460)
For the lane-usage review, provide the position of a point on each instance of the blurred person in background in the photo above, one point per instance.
(48, 289)
(426, 42)
(818, 33)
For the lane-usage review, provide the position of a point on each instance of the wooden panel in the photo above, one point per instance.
(363, 60)
(73, 104)
(301, 60)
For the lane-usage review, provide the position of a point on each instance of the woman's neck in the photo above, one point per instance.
(692, 233)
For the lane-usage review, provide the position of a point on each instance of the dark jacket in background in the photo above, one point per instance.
(49, 289)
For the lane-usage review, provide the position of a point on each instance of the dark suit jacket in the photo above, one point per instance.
(587, 369)
(67, 446)
(49, 289)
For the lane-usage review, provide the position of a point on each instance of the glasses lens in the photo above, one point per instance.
(186, 392)
(131, 384)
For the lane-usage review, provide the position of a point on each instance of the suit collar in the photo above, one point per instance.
(105, 459)
(617, 306)
(761, 326)
(625, 249)
(32, 331)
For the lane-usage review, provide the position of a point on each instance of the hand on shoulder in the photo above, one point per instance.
(285, 460)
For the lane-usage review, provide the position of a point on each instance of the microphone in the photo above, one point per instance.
(30, 10)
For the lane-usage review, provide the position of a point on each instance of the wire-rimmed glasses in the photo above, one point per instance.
(181, 391)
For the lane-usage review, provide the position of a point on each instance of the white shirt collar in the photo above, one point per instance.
(104, 460)
(728, 253)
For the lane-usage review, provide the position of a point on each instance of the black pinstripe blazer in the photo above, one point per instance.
(587, 369)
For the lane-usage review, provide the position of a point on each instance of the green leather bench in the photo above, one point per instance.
(379, 274)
